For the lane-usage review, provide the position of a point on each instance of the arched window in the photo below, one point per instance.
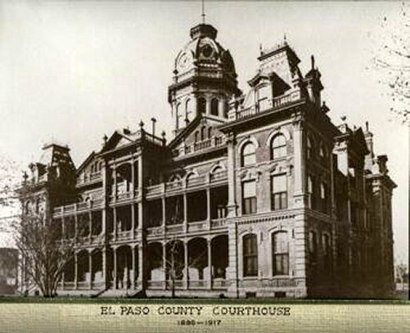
(310, 189)
(209, 132)
(280, 253)
(196, 136)
(278, 146)
(309, 150)
(215, 107)
(27, 207)
(189, 114)
(38, 206)
(250, 255)
(312, 246)
(327, 253)
(203, 133)
(248, 154)
(201, 105)
(178, 116)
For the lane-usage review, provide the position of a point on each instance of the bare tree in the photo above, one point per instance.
(391, 60)
(44, 251)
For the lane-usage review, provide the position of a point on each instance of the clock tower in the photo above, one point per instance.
(204, 79)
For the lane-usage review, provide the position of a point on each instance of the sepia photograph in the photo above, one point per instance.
(204, 163)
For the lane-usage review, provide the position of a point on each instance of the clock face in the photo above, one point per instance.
(183, 61)
(207, 51)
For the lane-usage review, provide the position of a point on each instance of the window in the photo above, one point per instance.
(248, 154)
(215, 107)
(263, 98)
(250, 255)
(280, 253)
(322, 151)
(323, 197)
(309, 151)
(279, 192)
(249, 197)
(312, 246)
(327, 251)
(203, 133)
(310, 192)
(178, 116)
(209, 132)
(201, 105)
(278, 146)
(196, 136)
(189, 114)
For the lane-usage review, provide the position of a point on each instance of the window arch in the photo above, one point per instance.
(250, 255)
(280, 253)
(278, 146)
(248, 154)
(201, 105)
(214, 107)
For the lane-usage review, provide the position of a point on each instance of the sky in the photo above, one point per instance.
(72, 71)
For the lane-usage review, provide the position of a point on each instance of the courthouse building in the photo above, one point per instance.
(257, 193)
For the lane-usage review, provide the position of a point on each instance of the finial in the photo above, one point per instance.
(260, 48)
(153, 125)
(312, 58)
(343, 118)
(141, 124)
(105, 138)
(203, 12)
(164, 140)
(367, 126)
(284, 37)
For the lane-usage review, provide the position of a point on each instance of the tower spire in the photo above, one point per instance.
(203, 12)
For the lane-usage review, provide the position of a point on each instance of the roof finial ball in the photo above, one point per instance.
(141, 124)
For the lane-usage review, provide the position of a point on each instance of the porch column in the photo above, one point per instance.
(114, 192)
(209, 242)
(185, 213)
(299, 160)
(164, 218)
(231, 206)
(114, 213)
(141, 272)
(186, 271)
(114, 254)
(164, 263)
(208, 207)
(133, 220)
(104, 266)
(133, 179)
(133, 267)
(90, 225)
(90, 268)
(75, 271)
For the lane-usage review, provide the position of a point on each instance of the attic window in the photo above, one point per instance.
(201, 105)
